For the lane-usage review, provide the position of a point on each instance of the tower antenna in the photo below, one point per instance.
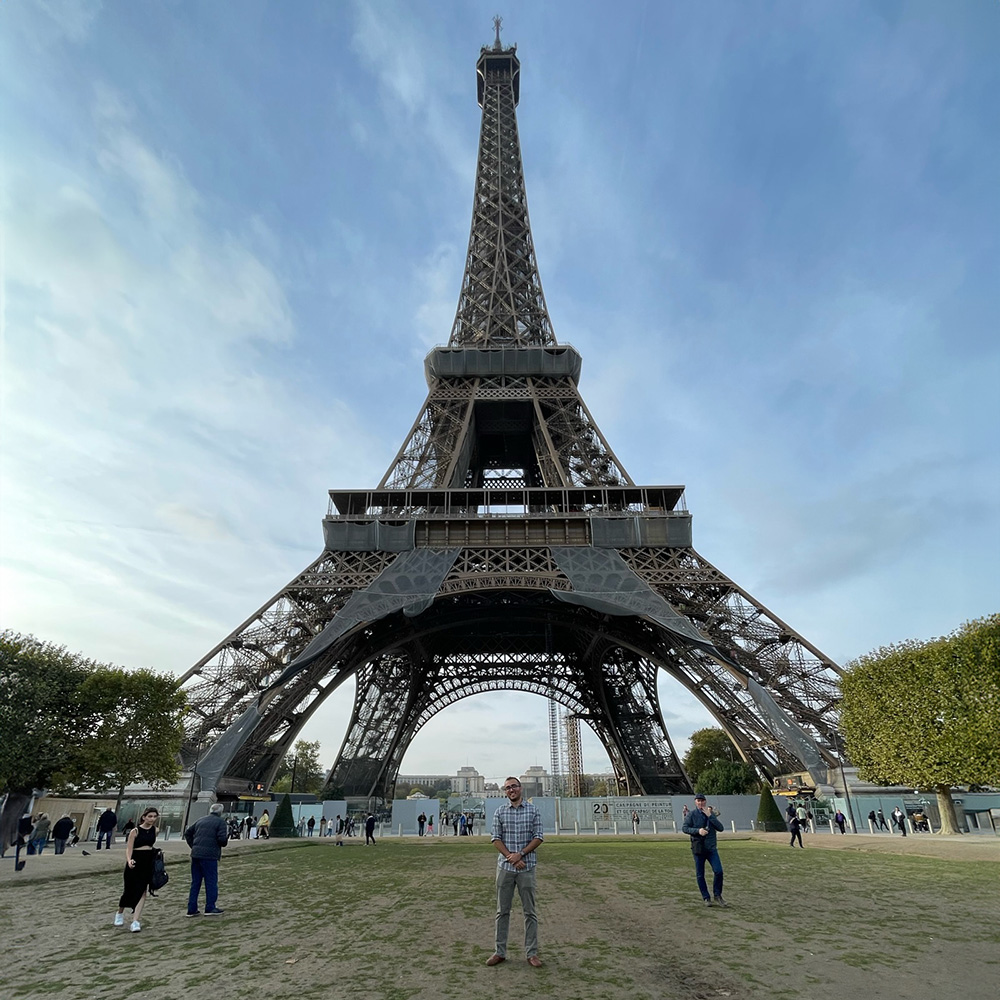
(497, 22)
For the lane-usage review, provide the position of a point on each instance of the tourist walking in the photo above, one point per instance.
(370, 829)
(841, 820)
(106, 824)
(421, 820)
(702, 824)
(311, 825)
(430, 826)
(635, 821)
(882, 825)
(206, 837)
(455, 822)
(517, 835)
(795, 827)
(138, 868)
(263, 826)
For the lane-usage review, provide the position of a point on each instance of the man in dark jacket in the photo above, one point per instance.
(106, 824)
(61, 832)
(206, 837)
(701, 825)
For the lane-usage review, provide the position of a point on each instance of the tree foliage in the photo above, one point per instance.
(927, 714)
(67, 720)
(725, 777)
(137, 731)
(708, 746)
(769, 818)
(283, 824)
(43, 717)
(303, 762)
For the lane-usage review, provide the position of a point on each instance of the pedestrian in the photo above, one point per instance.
(635, 821)
(872, 821)
(517, 834)
(790, 812)
(430, 826)
(684, 812)
(370, 829)
(248, 826)
(311, 825)
(841, 820)
(24, 828)
(340, 831)
(263, 826)
(803, 817)
(138, 868)
(61, 832)
(463, 825)
(899, 818)
(882, 825)
(40, 834)
(322, 827)
(702, 825)
(472, 822)
(128, 828)
(421, 821)
(454, 822)
(795, 827)
(206, 837)
(106, 824)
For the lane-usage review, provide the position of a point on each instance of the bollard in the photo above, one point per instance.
(732, 823)
(381, 830)
(871, 827)
(576, 827)
(753, 825)
(831, 827)
(166, 833)
(909, 823)
(595, 830)
(400, 831)
(654, 826)
(616, 828)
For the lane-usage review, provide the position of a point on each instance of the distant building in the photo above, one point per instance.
(536, 781)
(468, 781)
(492, 790)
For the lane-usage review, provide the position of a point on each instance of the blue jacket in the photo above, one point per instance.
(207, 836)
(696, 819)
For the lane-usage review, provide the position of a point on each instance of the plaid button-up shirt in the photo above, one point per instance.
(517, 827)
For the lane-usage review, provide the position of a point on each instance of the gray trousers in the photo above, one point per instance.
(525, 883)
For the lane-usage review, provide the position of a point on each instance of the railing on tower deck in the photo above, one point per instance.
(537, 502)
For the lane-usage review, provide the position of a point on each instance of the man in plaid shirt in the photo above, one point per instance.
(517, 834)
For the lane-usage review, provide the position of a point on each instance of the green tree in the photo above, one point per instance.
(137, 732)
(769, 818)
(283, 824)
(927, 714)
(725, 777)
(708, 747)
(302, 762)
(43, 719)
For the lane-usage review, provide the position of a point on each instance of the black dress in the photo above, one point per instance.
(137, 878)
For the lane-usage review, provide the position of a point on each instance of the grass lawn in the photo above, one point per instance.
(618, 918)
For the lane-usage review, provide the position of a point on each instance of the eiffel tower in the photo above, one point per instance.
(506, 548)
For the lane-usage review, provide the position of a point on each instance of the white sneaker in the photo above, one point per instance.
(135, 926)
(119, 919)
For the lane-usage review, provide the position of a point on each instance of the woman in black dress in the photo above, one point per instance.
(138, 868)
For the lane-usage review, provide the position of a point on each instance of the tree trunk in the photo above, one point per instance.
(949, 821)
(118, 803)
(14, 806)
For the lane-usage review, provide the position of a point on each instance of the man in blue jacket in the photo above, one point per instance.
(701, 825)
(206, 837)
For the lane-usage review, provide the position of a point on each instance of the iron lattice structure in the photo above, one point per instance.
(506, 548)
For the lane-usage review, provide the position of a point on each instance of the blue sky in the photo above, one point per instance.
(233, 230)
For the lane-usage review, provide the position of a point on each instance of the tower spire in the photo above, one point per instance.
(501, 303)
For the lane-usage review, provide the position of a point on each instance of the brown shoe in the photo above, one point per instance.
(535, 962)
(496, 959)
